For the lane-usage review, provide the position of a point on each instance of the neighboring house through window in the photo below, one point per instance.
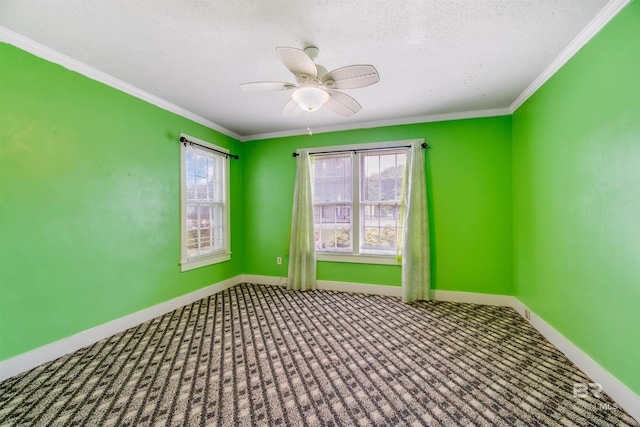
(204, 205)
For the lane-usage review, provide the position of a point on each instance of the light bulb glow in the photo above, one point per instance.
(310, 98)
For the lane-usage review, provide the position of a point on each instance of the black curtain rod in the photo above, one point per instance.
(185, 141)
(423, 145)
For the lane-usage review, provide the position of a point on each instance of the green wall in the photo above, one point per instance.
(89, 204)
(469, 183)
(577, 199)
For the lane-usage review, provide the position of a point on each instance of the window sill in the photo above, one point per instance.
(359, 259)
(204, 261)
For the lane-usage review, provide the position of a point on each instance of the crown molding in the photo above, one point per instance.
(37, 49)
(475, 114)
(51, 55)
(587, 33)
(596, 24)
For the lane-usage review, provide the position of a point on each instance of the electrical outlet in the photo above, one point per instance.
(279, 260)
(527, 314)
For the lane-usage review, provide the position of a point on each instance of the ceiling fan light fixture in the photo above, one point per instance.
(310, 98)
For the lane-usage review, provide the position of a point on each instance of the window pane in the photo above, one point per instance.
(192, 217)
(217, 215)
(389, 237)
(217, 229)
(201, 166)
(333, 239)
(192, 242)
(333, 227)
(332, 214)
(328, 214)
(370, 177)
(332, 178)
(190, 159)
(380, 238)
(210, 190)
(205, 212)
(201, 189)
(381, 226)
(332, 198)
(205, 240)
(205, 216)
(381, 175)
(191, 188)
(371, 236)
(378, 210)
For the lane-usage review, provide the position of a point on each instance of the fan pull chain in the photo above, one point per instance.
(309, 125)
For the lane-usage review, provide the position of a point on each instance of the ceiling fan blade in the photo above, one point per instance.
(351, 77)
(257, 86)
(291, 109)
(297, 62)
(321, 71)
(342, 104)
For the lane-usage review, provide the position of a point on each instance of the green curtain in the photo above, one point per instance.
(302, 251)
(416, 270)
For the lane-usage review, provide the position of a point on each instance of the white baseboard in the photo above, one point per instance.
(330, 285)
(391, 291)
(31, 359)
(264, 280)
(619, 392)
(626, 398)
(474, 298)
(360, 288)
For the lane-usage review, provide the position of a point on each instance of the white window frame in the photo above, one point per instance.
(355, 256)
(189, 263)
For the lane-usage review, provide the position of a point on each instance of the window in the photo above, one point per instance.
(332, 202)
(357, 203)
(205, 205)
(381, 189)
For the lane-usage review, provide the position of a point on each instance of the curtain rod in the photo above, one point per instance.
(423, 145)
(185, 141)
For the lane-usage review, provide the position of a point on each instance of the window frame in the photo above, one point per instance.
(355, 256)
(189, 263)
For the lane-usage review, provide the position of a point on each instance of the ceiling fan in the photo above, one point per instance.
(316, 87)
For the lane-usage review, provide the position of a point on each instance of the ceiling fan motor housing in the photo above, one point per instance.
(312, 52)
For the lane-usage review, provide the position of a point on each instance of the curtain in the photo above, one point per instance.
(302, 252)
(416, 280)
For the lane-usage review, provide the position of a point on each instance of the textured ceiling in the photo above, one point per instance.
(435, 58)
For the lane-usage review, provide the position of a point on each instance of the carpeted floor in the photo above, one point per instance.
(261, 355)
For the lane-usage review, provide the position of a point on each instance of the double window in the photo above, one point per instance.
(356, 198)
(204, 205)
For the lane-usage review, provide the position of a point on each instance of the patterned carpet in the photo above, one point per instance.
(261, 355)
